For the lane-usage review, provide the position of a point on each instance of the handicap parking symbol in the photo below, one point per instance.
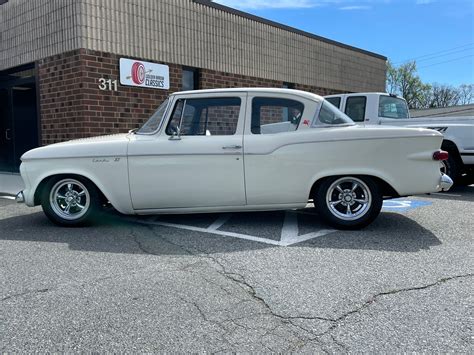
(399, 205)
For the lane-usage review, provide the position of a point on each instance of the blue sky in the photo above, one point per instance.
(439, 34)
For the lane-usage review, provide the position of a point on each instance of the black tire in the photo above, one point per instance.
(451, 168)
(70, 188)
(344, 191)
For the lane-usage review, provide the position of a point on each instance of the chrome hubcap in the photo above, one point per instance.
(69, 199)
(348, 198)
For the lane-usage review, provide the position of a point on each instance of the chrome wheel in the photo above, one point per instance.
(348, 198)
(69, 199)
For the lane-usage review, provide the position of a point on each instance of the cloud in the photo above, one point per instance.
(355, 7)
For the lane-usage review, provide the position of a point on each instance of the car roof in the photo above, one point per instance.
(301, 93)
(365, 94)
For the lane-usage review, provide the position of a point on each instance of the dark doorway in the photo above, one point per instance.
(18, 116)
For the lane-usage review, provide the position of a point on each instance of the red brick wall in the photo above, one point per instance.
(72, 105)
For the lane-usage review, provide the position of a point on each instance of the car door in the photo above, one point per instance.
(275, 161)
(196, 160)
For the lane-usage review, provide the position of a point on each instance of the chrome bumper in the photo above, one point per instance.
(445, 182)
(20, 197)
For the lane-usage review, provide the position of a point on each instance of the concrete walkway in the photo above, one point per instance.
(10, 184)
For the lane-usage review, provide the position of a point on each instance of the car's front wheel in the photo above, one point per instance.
(348, 202)
(70, 201)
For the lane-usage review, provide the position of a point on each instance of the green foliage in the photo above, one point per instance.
(404, 81)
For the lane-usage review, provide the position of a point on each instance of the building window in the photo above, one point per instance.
(190, 80)
(288, 85)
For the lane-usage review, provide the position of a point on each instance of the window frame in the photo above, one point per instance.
(396, 98)
(251, 100)
(195, 72)
(185, 99)
(338, 103)
(365, 106)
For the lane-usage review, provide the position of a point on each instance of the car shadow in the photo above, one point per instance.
(457, 193)
(115, 233)
(389, 232)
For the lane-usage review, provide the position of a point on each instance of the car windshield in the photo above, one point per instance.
(330, 115)
(155, 121)
(392, 107)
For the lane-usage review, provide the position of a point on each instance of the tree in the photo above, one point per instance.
(466, 94)
(404, 81)
(444, 96)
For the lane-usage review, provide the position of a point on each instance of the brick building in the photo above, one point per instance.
(60, 72)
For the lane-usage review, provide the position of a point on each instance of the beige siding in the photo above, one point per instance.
(182, 32)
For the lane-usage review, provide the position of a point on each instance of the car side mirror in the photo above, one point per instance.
(176, 136)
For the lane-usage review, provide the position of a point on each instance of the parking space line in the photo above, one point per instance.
(218, 232)
(219, 222)
(289, 231)
(308, 236)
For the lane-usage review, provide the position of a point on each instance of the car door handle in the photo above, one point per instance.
(7, 134)
(232, 147)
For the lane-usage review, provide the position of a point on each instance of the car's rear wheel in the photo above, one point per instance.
(70, 201)
(348, 202)
(450, 167)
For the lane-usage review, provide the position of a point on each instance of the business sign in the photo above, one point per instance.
(144, 74)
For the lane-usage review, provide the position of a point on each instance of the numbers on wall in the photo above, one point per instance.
(107, 84)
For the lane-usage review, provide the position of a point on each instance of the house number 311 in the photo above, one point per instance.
(107, 84)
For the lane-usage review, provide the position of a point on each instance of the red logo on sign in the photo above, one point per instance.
(138, 73)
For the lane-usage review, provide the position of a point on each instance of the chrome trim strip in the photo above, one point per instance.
(338, 140)
(137, 155)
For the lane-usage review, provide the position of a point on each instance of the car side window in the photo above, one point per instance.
(275, 115)
(355, 108)
(336, 101)
(205, 117)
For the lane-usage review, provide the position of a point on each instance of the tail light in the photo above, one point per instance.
(440, 155)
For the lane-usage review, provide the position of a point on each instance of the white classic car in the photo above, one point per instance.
(236, 150)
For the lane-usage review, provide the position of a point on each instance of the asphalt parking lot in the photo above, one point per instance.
(245, 282)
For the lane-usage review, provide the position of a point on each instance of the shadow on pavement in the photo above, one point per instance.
(456, 193)
(389, 232)
(115, 234)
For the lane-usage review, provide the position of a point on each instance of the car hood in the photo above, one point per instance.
(102, 146)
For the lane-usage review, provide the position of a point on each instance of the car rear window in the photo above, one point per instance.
(392, 107)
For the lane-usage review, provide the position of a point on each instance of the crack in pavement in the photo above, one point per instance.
(289, 319)
(29, 292)
(374, 298)
(44, 290)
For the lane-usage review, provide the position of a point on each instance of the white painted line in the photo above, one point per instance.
(289, 231)
(219, 222)
(308, 236)
(205, 230)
